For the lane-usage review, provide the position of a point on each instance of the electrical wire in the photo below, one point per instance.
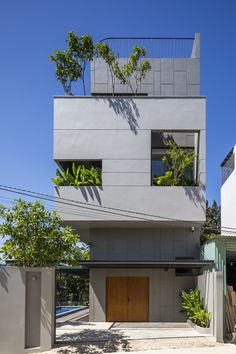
(89, 206)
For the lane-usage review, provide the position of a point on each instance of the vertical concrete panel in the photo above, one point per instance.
(12, 310)
(47, 308)
(33, 309)
(26, 308)
(167, 71)
(211, 288)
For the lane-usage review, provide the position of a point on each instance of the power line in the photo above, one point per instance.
(89, 206)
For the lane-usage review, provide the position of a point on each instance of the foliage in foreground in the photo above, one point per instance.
(177, 165)
(212, 226)
(78, 176)
(35, 236)
(194, 306)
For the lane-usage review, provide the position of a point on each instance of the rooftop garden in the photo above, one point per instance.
(71, 63)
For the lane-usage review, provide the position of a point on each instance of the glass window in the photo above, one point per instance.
(187, 142)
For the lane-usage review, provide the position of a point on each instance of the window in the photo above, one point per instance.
(78, 173)
(187, 142)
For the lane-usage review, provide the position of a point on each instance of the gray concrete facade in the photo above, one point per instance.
(27, 309)
(118, 131)
(164, 292)
(144, 244)
(167, 77)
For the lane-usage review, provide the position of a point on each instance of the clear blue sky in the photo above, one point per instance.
(31, 29)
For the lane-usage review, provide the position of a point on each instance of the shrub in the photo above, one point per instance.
(78, 176)
(194, 306)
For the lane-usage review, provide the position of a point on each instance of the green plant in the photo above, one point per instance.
(102, 49)
(68, 70)
(177, 164)
(82, 50)
(71, 63)
(194, 306)
(134, 69)
(36, 237)
(78, 176)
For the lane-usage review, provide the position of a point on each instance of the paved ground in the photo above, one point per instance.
(218, 349)
(103, 337)
(137, 338)
(78, 331)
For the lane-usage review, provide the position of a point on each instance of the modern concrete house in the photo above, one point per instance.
(144, 238)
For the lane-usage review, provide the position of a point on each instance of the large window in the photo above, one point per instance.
(186, 147)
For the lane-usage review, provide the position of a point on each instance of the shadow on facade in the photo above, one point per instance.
(4, 275)
(196, 195)
(125, 108)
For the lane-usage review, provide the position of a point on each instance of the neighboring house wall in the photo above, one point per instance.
(26, 322)
(228, 200)
(164, 292)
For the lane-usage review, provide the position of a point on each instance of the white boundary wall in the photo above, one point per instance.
(15, 303)
(211, 288)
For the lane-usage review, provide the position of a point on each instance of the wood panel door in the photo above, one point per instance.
(127, 299)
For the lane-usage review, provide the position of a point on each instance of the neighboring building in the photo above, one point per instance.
(144, 239)
(228, 194)
(222, 249)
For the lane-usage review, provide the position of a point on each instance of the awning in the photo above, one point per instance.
(194, 264)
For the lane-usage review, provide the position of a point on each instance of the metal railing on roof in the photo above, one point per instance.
(156, 47)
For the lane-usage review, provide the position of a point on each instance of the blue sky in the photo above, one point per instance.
(31, 29)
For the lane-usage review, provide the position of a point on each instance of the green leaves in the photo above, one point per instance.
(71, 63)
(35, 237)
(68, 69)
(194, 306)
(178, 163)
(78, 176)
(134, 71)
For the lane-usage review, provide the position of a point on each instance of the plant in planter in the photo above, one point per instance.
(194, 306)
(177, 164)
(134, 69)
(78, 176)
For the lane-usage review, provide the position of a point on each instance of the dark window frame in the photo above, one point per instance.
(195, 131)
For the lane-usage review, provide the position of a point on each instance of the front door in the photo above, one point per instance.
(127, 299)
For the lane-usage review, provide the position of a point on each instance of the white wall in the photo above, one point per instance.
(13, 309)
(211, 288)
(228, 206)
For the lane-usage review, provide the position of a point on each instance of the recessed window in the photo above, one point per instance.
(78, 173)
(174, 158)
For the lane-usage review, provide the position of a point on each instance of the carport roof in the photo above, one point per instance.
(147, 264)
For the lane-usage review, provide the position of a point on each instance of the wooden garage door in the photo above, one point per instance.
(127, 299)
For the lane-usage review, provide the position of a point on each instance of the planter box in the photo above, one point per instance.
(202, 330)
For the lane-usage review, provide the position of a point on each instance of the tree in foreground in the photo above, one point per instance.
(35, 236)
